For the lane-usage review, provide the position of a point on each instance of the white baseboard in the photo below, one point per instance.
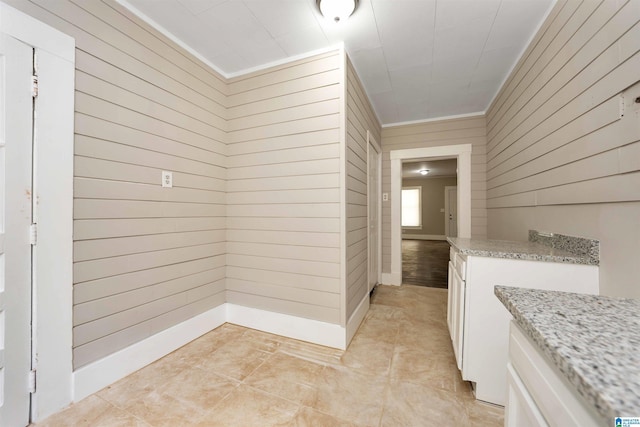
(391, 279)
(99, 374)
(314, 331)
(357, 317)
(423, 237)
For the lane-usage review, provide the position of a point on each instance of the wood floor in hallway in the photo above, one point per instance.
(424, 262)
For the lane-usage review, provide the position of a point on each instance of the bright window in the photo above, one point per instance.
(411, 207)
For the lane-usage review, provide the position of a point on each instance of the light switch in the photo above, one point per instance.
(385, 197)
(167, 179)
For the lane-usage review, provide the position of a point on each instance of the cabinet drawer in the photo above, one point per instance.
(452, 256)
(461, 266)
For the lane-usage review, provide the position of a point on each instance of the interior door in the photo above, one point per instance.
(451, 211)
(374, 194)
(16, 118)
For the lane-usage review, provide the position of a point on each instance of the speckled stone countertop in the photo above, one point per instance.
(593, 340)
(530, 251)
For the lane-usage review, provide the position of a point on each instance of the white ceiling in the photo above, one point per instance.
(418, 59)
(436, 168)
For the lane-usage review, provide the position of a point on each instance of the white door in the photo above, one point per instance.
(374, 194)
(451, 211)
(16, 68)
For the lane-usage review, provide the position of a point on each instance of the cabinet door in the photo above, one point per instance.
(450, 299)
(520, 410)
(457, 320)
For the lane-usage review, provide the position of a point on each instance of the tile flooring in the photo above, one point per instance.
(398, 371)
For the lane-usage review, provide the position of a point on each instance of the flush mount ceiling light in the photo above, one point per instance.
(423, 171)
(337, 10)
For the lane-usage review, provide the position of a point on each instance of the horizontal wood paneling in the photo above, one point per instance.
(564, 131)
(360, 118)
(278, 305)
(112, 285)
(108, 228)
(93, 350)
(331, 225)
(145, 257)
(300, 281)
(104, 248)
(283, 189)
(100, 308)
(470, 130)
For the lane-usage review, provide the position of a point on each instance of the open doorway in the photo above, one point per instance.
(429, 216)
(462, 153)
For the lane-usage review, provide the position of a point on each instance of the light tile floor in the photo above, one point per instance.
(398, 371)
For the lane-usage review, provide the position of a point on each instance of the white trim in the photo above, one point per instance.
(396, 215)
(97, 375)
(336, 46)
(435, 119)
(356, 318)
(53, 157)
(423, 237)
(391, 279)
(299, 328)
(35, 33)
(343, 185)
(463, 153)
(371, 142)
(168, 34)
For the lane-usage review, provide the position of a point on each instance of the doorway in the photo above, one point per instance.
(462, 153)
(425, 251)
(374, 191)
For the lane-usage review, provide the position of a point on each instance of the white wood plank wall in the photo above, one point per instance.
(563, 148)
(145, 258)
(283, 189)
(471, 130)
(360, 118)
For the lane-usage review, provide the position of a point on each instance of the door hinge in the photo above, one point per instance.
(32, 381)
(33, 234)
(34, 86)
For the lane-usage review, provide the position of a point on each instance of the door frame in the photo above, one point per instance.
(462, 152)
(371, 141)
(53, 192)
(447, 188)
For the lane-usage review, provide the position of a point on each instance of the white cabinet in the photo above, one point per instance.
(538, 394)
(455, 311)
(479, 323)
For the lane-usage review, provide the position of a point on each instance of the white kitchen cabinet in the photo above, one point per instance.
(479, 323)
(538, 394)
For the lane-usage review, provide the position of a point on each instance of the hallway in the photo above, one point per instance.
(424, 262)
(398, 371)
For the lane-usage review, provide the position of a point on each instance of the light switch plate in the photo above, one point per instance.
(167, 179)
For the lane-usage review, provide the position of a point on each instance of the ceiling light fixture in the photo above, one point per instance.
(423, 171)
(337, 10)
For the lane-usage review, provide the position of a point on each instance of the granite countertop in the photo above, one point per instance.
(593, 340)
(530, 251)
